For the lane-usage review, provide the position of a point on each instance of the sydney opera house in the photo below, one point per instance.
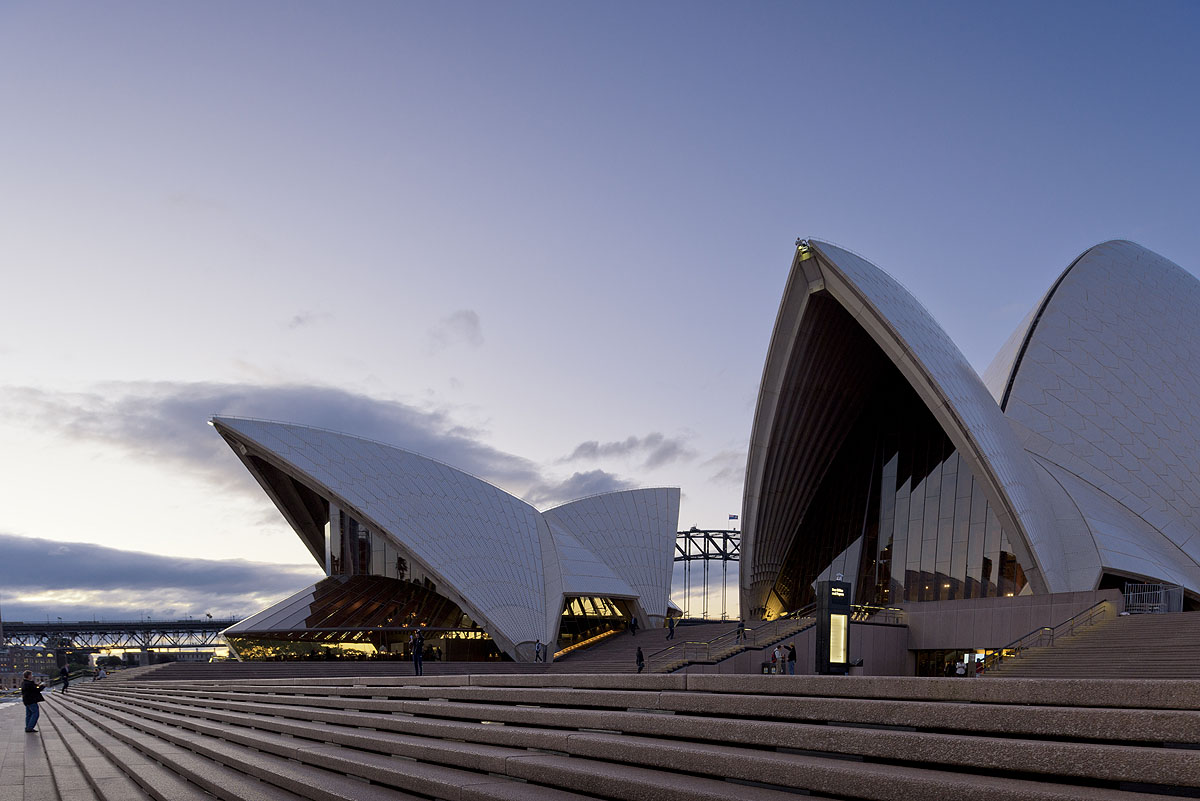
(408, 543)
(878, 453)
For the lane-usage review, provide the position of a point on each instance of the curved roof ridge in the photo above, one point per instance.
(371, 440)
(920, 342)
(1037, 312)
(433, 459)
(609, 492)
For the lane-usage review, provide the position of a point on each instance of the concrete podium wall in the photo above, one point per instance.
(883, 649)
(994, 622)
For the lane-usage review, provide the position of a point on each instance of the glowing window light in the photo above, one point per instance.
(838, 627)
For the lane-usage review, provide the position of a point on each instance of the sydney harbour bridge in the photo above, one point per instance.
(105, 635)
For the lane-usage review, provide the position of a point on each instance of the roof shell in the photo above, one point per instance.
(491, 552)
(1107, 389)
(939, 373)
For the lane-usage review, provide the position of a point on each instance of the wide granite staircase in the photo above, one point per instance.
(614, 737)
(703, 643)
(1128, 646)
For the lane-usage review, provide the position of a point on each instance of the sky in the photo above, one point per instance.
(542, 242)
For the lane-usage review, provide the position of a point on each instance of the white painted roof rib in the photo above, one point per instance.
(1107, 388)
(484, 545)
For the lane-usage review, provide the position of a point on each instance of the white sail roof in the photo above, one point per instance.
(493, 553)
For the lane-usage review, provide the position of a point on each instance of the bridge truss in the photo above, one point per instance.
(707, 546)
(93, 636)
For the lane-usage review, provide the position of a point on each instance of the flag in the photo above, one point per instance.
(733, 517)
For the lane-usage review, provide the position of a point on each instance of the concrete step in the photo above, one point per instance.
(157, 778)
(107, 781)
(228, 772)
(38, 780)
(1141, 646)
(530, 727)
(358, 754)
(69, 778)
(1093, 723)
(685, 736)
(801, 772)
(1128, 694)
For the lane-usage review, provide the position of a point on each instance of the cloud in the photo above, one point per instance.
(657, 448)
(306, 318)
(76, 581)
(460, 328)
(579, 485)
(729, 467)
(165, 421)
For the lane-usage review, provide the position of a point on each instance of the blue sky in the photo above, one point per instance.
(542, 241)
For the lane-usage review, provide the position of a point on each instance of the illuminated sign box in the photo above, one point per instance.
(839, 637)
(833, 628)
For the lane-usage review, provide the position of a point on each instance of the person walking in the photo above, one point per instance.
(537, 652)
(791, 658)
(641, 660)
(416, 647)
(31, 696)
(670, 628)
(65, 675)
(633, 625)
(741, 631)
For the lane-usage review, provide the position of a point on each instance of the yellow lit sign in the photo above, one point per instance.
(838, 625)
(837, 592)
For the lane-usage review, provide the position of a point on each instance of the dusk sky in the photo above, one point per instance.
(542, 242)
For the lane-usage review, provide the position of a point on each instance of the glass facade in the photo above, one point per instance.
(363, 617)
(899, 514)
(585, 618)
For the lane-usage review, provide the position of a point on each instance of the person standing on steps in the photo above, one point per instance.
(416, 647)
(791, 658)
(31, 695)
(633, 625)
(670, 628)
(741, 631)
(641, 660)
(65, 675)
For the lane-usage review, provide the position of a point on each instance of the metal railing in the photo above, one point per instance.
(1153, 599)
(1047, 635)
(861, 613)
(728, 643)
(767, 633)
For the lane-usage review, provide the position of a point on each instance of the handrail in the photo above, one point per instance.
(1039, 634)
(714, 649)
(860, 613)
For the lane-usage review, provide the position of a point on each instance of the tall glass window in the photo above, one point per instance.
(898, 487)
